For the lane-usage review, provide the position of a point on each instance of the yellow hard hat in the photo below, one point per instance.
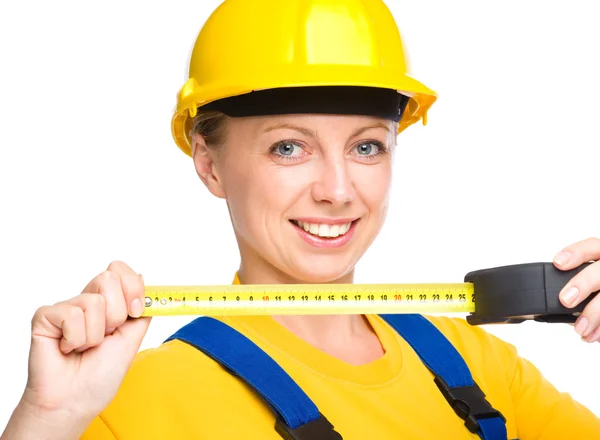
(254, 45)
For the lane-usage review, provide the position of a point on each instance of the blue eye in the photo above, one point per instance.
(365, 149)
(368, 149)
(286, 149)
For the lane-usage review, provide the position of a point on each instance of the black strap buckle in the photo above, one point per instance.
(469, 403)
(320, 429)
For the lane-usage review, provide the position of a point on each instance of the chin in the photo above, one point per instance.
(317, 271)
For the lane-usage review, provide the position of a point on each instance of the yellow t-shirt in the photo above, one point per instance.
(176, 392)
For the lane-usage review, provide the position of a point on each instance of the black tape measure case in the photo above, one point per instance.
(517, 293)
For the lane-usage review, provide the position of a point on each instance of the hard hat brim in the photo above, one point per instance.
(192, 96)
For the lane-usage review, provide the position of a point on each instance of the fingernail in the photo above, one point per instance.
(562, 258)
(137, 308)
(569, 296)
(589, 333)
(581, 325)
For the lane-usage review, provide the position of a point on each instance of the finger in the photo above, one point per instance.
(589, 320)
(64, 321)
(132, 285)
(133, 288)
(578, 253)
(581, 286)
(132, 333)
(121, 268)
(594, 337)
(108, 285)
(94, 311)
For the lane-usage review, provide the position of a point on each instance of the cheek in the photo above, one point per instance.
(373, 184)
(259, 197)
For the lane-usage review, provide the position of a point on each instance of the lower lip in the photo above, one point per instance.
(328, 243)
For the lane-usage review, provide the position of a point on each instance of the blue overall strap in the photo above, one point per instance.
(297, 416)
(452, 375)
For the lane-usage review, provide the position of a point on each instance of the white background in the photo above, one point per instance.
(505, 172)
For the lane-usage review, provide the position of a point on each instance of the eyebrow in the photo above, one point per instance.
(303, 130)
(309, 132)
(370, 127)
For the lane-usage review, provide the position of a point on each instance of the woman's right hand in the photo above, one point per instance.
(80, 352)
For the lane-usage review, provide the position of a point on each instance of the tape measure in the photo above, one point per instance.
(509, 294)
(308, 299)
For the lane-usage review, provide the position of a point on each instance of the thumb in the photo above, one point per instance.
(131, 333)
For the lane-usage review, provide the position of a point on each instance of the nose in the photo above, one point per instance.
(334, 183)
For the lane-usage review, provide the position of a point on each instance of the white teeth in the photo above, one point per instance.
(325, 230)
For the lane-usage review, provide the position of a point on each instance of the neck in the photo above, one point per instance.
(348, 337)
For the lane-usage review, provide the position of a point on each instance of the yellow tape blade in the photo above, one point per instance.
(308, 299)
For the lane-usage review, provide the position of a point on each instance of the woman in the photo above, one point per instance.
(298, 137)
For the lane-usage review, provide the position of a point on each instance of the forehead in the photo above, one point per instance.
(310, 123)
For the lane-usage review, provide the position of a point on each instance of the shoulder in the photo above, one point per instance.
(159, 375)
(459, 330)
(167, 364)
(164, 380)
(466, 337)
(480, 349)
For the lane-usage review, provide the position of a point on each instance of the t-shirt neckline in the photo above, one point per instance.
(267, 330)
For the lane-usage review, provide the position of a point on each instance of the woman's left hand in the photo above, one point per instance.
(582, 285)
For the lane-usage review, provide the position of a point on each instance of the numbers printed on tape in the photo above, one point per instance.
(308, 299)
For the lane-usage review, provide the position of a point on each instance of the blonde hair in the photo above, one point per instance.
(211, 125)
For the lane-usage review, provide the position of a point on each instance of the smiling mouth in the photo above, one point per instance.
(324, 230)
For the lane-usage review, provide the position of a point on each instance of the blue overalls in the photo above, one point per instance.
(298, 418)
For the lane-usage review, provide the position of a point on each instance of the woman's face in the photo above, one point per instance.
(307, 194)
